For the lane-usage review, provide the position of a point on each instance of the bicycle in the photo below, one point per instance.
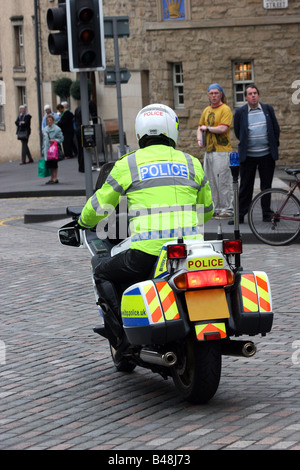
(274, 214)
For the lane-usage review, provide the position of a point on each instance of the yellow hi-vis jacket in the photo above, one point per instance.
(166, 190)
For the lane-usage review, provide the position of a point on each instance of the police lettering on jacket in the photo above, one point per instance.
(165, 169)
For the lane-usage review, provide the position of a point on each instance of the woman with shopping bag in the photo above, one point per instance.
(52, 138)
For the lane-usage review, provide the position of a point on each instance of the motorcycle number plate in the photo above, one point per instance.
(207, 304)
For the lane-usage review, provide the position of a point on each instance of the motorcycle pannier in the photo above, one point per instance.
(150, 314)
(252, 303)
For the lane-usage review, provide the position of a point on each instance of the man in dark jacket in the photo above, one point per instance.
(66, 123)
(23, 123)
(256, 127)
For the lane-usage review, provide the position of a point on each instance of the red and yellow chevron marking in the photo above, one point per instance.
(210, 328)
(153, 303)
(168, 301)
(249, 293)
(263, 292)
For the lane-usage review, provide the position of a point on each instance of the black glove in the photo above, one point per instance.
(79, 227)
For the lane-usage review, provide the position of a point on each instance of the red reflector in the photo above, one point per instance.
(232, 247)
(177, 251)
(212, 336)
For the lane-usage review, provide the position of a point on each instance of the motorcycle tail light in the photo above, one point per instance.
(232, 247)
(205, 278)
(178, 251)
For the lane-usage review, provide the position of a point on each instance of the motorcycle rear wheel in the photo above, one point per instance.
(198, 372)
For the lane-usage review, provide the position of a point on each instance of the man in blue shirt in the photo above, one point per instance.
(256, 127)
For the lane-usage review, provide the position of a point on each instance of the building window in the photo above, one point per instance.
(19, 46)
(243, 74)
(2, 123)
(178, 85)
(21, 95)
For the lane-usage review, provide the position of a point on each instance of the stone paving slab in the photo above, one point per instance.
(59, 389)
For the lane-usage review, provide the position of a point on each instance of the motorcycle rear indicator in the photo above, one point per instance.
(205, 278)
(177, 251)
(232, 247)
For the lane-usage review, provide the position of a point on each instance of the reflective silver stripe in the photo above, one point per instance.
(209, 208)
(85, 225)
(154, 183)
(161, 210)
(100, 210)
(190, 166)
(95, 203)
(203, 182)
(168, 233)
(133, 167)
(115, 185)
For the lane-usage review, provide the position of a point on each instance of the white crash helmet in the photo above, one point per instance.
(157, 120)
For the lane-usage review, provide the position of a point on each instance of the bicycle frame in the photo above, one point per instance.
(282, 217)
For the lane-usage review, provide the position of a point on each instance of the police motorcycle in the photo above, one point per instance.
(191, 311)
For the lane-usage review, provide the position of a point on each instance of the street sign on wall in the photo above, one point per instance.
(110, 76)
(275, 4)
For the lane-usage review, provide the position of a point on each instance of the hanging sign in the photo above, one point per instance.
(173, 10)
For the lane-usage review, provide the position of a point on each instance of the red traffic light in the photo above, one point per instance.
(85, 14)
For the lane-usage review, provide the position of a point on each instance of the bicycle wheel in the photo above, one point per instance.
(274, 228)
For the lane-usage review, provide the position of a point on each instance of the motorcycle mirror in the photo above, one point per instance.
(69, 235)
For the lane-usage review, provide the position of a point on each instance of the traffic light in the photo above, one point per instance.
(85, 35)
(58, 42)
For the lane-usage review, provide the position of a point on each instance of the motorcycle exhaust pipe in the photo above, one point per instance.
(167, 359)
(238, 348)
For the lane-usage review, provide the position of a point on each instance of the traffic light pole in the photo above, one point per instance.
(118, 85)
(85, 121)
(78, 37)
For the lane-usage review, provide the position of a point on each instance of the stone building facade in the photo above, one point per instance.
(17, 74)
(176, 48)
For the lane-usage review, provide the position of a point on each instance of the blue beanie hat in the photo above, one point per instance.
(217, 86)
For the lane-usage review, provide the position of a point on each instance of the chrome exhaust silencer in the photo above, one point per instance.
(238, 348)
(167, 359)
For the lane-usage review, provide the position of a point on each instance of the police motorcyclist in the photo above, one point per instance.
(159, 181)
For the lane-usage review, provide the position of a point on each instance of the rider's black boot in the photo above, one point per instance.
(113, 331)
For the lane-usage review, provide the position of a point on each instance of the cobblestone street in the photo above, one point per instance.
(59, 388)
